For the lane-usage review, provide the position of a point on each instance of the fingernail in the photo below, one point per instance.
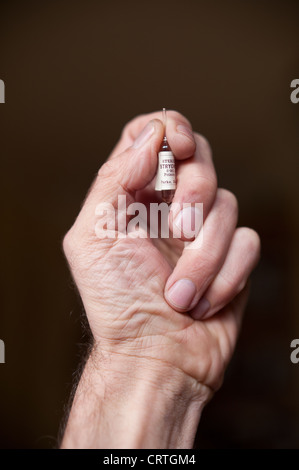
(189, 221)
(201, 309)
(181, 294)
(144, 135)
(186, 131)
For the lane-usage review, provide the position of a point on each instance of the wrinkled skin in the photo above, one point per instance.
(122, 280)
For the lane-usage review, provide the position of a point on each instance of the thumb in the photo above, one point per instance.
(132, 170)
(125, 174)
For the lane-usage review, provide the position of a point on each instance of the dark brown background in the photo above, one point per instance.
(75, 73)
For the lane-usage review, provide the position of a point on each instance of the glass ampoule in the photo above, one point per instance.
(166, 179)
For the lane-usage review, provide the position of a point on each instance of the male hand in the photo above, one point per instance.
(164, 314)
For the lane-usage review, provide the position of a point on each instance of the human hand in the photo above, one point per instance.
(151, 302)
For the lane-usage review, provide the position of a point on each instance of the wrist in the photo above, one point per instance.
(134, 402)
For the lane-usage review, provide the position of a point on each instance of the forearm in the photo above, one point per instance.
(125, 402)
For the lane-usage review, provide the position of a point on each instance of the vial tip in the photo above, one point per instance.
(164, 116)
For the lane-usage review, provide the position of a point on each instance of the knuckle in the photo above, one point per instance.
(178, 117)
(126, 131)
(228, 199)
(250, 239)
(67, 243)
(209, 184)
(75, 247)
(203, 144)
(203, 185)
(107, 169)
(228, 284)
(234, 284)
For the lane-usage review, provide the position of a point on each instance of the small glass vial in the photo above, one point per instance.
(166, 180)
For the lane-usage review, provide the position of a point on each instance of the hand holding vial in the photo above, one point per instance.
(164, 318)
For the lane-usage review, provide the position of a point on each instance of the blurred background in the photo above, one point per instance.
(75, 73)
